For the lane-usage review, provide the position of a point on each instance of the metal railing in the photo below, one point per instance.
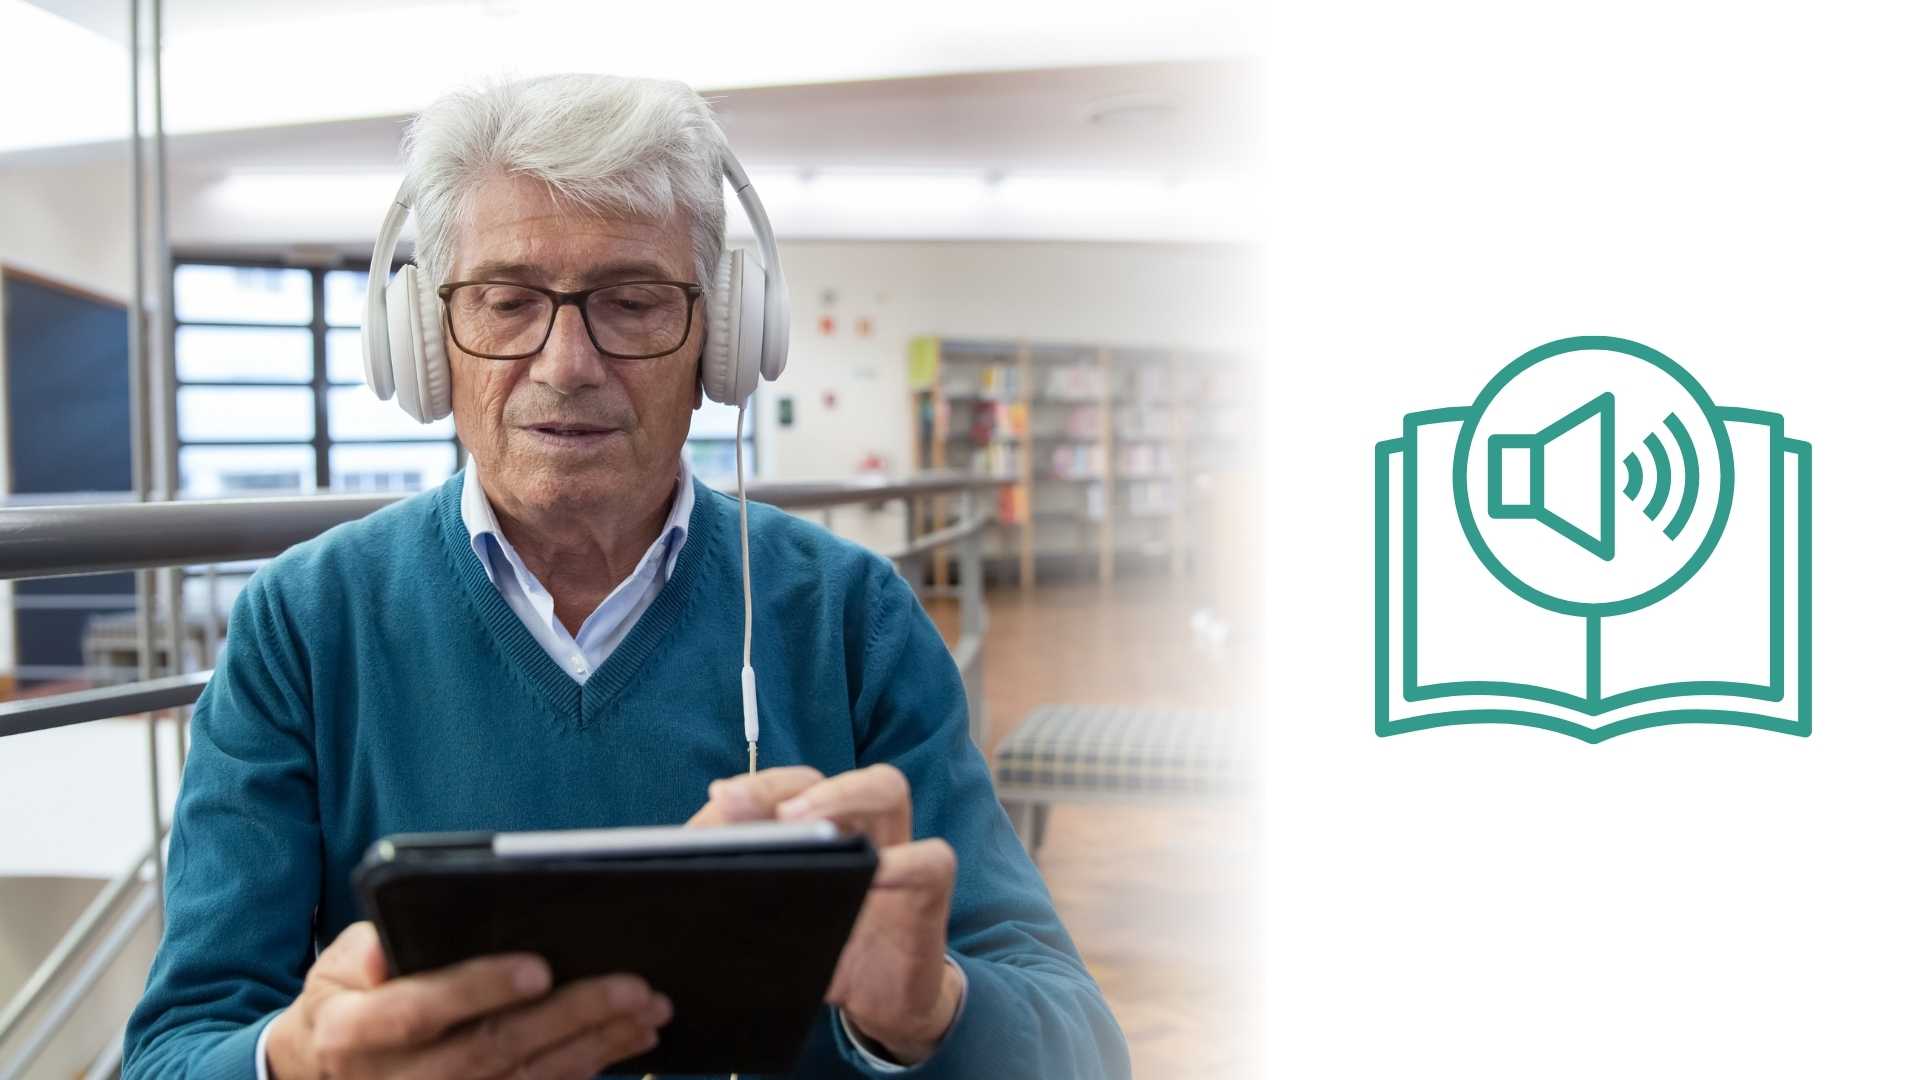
(56, 541)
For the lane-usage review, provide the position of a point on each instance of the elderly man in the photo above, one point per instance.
(551, 640)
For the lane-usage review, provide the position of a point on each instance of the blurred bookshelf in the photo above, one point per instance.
(1103, 446)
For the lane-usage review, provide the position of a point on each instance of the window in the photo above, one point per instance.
(710, 442)
(272, 398)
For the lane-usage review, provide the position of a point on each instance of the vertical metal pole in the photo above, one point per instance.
(1109, 506)
(137, 310)
(177, 651)
(1028, 393)
(322, 430)
(140, 363)
(210, 628)
(164, 403)
(973, 622)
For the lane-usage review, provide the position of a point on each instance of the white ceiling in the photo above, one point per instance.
(1176, 119)
(248, 64)
(1202, 120)
(897, 158)
(186, 18)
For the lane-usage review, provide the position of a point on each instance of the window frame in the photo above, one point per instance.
(317, 383)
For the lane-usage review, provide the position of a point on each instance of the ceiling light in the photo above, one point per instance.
(1132, 111)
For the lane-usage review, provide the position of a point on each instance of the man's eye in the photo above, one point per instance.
(507, 307)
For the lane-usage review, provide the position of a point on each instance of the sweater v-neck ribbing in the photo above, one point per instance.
(578, 703)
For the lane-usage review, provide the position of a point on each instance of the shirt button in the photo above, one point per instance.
(579, 664)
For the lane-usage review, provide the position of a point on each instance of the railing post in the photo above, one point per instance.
(152, 314)
(973, 622)
(146, 902)
(69, 946)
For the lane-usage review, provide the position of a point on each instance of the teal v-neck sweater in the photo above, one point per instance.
(375, 682)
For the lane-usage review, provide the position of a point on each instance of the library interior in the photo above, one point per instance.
(994, 296)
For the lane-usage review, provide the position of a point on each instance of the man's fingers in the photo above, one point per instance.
(501, 1044)
(875, 800)
(353, 959)
(417, 1009)
(922, 865)
(753, 797)
(595, 1049)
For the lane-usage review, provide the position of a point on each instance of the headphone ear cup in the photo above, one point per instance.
(402, 340)
(749, 323)
(376, 349)
(719, 357)
(730, 364)
(436, 377)
(419, 362)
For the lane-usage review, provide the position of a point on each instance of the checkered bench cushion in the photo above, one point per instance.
(1118, 750)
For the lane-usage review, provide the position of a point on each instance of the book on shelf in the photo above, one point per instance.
(1143, 460)
(1081, 422)
(983, 422)
(996, 459)
(1152, 382)
(1074, 383)
(1074, 461)
(1142, 423)
(995, 381)
(1014, 507)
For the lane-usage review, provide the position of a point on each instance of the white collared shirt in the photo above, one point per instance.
(579, 655)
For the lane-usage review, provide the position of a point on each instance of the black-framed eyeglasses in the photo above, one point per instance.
(629, 320)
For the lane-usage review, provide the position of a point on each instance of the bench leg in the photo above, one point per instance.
(1038, 815)
(1023, 815)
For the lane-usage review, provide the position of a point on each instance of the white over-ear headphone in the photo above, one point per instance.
(747, 318)
(746, 321)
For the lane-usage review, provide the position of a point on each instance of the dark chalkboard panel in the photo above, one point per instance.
(67, 416)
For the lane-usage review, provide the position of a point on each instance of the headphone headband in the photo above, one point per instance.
(728, 379)
(773, 340)
(375, 351)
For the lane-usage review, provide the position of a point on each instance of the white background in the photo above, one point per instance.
(1737, 187)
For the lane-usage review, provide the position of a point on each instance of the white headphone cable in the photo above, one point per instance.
(749, 698)
(748, 702)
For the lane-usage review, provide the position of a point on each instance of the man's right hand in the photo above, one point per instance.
(488, 1017)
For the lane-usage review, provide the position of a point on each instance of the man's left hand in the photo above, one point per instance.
(893, 982)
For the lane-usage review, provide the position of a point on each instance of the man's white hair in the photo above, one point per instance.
(603, 143)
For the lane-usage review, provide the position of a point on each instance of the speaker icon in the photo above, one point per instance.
(1663, 476)
(1581, 444)
(1517, 468)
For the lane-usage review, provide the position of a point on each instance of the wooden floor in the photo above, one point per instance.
(1152, 895)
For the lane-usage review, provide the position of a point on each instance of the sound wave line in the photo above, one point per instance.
(1662, 476)
(1689, 477)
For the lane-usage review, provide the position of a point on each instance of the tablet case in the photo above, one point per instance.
(744, 944)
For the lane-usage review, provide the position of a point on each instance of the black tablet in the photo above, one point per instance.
(739, 925)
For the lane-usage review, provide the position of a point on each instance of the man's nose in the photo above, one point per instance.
(569, 362)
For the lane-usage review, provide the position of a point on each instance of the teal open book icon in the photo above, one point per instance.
(1593, 547)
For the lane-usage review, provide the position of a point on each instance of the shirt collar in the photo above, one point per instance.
(478, 516)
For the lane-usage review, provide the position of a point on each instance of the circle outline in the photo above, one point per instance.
(1463, 506)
